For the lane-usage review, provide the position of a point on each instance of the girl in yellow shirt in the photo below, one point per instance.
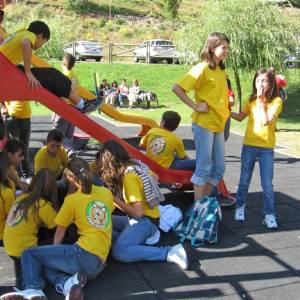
(133, 234)
(68, 267)
(262, 111)
(210, 112)
(7, 194)
(28, 213)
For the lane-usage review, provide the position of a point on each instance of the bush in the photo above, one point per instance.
(77, 4)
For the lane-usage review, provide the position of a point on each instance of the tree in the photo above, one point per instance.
(171, 7)
(260, 34)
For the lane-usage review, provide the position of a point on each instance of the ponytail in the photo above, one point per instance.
(81, 170)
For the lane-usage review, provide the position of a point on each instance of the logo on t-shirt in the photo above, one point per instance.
(157, 145)
(13, 218)
(98, 214)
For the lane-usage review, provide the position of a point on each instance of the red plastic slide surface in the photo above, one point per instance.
(13, 85)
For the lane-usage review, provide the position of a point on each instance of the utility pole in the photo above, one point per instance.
(110, 9)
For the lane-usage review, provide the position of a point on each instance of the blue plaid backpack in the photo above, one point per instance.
(200, 223)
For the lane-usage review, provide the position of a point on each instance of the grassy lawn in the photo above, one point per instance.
(160, 79)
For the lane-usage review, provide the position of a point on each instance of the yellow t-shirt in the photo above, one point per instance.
(91, 213)
(161, 145)
(257, 134)
(7, 197)
(71, 75)
(3, 33)
(133, 191)
(20, 234)
(19, 109)
(12, 45)
(55, 164)
(209, 86)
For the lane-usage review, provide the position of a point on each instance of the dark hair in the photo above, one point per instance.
(215, 39)
(1, 13)
(55, 135)
(14, 146)
(81, 170)
(171, 120)
(2, 128)
(271, 93)
(114, 82)
(39, 27)
(228, 83)
(5, 163)
(43, 185)
(114, 160)
(70, 60)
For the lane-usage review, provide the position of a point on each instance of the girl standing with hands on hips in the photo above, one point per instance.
(210, 112)
(262, 109)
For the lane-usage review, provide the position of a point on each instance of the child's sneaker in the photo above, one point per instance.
(91, 105)
(28, 294)
(240, 214)
(270, 221)
(73, 286)
(178, 256)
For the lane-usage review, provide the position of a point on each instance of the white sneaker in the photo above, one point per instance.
(270, 221)
(153, 239)
(240, 214)
(73, 286)
(28, 294)
(178, 256)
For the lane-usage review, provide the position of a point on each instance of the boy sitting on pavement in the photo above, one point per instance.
(17, 47)
(53, 156)
(165, 147)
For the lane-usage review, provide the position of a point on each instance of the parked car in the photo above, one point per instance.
(83, 50)
(293, 60)
(159, 50)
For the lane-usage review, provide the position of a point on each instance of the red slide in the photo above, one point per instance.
(14, 85)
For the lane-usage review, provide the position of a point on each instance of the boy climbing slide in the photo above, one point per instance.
(17, 47)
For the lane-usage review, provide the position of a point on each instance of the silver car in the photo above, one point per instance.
(158, 50)
(83, 50)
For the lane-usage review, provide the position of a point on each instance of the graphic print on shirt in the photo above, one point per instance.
(157, 145)
(13, 218)
(98, 214)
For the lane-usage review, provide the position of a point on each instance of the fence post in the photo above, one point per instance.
(148, 58)
(110, 52)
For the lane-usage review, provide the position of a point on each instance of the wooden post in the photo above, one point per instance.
(110, 52)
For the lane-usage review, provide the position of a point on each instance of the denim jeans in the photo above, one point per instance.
(20, 129)
(56, 263)
(265, 158)
(129, 236)
(66, 128)
(183, 164)
(210, 156)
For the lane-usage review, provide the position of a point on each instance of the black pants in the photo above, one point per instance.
(20, 129)
(18, 271)
(52, 80)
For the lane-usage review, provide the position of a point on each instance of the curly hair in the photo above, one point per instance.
(113, 162)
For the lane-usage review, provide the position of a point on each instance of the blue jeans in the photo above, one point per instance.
(266, 166)
(183, 164)
(210, 156)
(56, 263)
(129, 235)
(66, 128)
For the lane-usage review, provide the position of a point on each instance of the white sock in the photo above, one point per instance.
(80, 104)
